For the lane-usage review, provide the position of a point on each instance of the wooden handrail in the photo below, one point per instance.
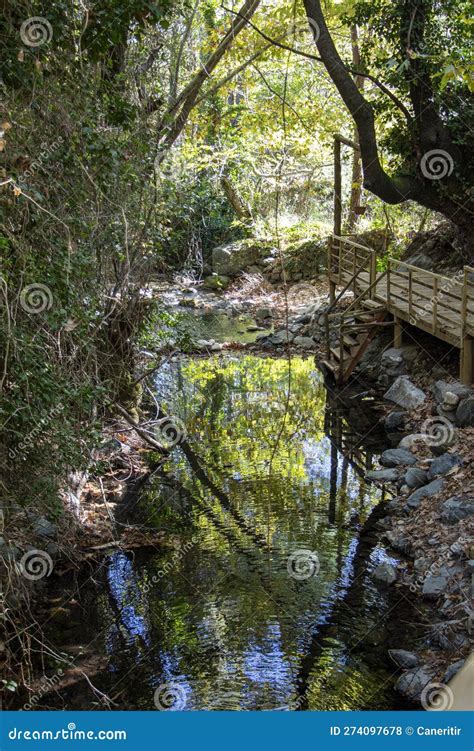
(336, 300)
(363, 294)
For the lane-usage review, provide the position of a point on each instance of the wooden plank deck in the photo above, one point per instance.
(439, 305)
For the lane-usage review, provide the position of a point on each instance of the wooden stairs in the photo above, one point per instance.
(356, 327)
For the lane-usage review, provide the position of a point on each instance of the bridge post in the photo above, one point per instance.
(397, 332)
(466, 357)
(466, 374)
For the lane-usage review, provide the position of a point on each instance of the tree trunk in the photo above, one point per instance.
(356, 181)
(428, 129)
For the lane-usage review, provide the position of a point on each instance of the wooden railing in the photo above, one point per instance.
(345, 257)
(440, 305)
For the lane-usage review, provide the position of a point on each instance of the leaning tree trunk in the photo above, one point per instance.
(356, 181)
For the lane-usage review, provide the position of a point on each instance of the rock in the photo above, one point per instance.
(441, 388)
(410, 441)
(281, 337)
(228, 260)
(421, 565)
(452, 670)
(426, 491)
(434, 586)
(442, 464)
(397, 541)
(457, 549)
(412, 683)
(394, 421)
(217, 347)
(52, 548)
(465, 413)
(404, 393)
(392, 362)
(383, 475)
(262, 314)
(44, 528)
(415, 477)
(305, 342)
(395, 457)
(404, 659)
(385, 573)
(455, 509)
(451, 401)
(203, 344)
(216, 281)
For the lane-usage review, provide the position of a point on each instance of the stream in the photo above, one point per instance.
(265, 601)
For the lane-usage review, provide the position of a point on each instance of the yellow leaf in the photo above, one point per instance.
(16, 190)
(5, 126)
(21, 56)
(2, 144)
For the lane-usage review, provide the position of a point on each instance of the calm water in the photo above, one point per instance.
(264, 601)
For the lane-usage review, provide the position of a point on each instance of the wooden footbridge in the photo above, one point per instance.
(440, 305)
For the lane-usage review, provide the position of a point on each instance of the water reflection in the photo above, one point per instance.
(219, 613)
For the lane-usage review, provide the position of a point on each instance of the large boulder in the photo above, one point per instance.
(442, 464)
(426, 491)
(442, 388)
(404, 393)
(395, 421)
(455, 509)
(230, 259)
(397, 457)
(465, 413)
(383, 475)
(415, 477)
(434, 586)
(412, 683)
(386, 573)
(403, 658)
